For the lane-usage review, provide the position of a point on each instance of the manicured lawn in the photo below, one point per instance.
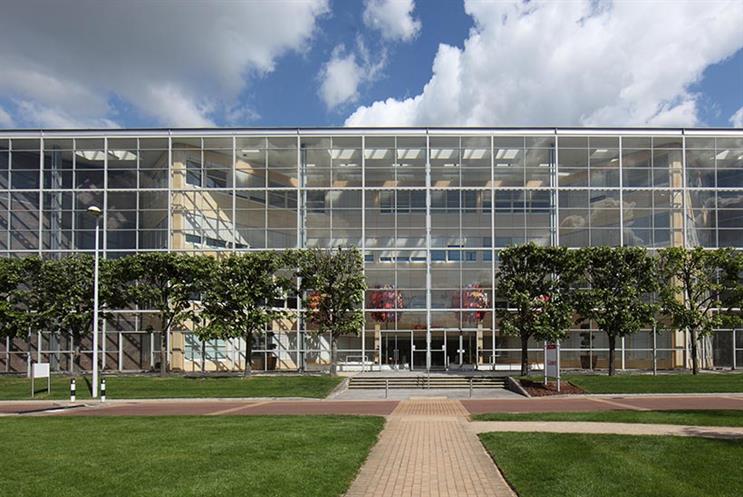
(698, 418)
(154, 387)
(664, 383)
(183, 456)
(568, 465)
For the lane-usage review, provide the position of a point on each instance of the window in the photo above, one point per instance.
(316, 201)
(216, 178)
(454, 255)
(470, 201)
(193, 239)
(193, 173)
(215, 242)
(386, 202)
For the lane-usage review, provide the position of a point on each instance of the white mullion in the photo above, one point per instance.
(139, 196)
(40, 186)
(363, 250)
(170, 192)
(105, 195)
(234, 194)
(621, 199)
(684, 191)
(556, 189)
(301, 346)
(428, 248)
(492, 245)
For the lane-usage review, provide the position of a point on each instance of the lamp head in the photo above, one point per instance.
(94, 211)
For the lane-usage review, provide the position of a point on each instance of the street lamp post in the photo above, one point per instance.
(96, 213)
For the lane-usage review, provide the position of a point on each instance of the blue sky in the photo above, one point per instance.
(371, 62)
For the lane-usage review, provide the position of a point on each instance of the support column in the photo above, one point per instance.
(378, 345)
(428, 254)
(478, 346)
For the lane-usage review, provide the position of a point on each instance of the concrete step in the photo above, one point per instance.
(422, 381)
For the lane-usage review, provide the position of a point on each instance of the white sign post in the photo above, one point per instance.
(41, 370)
(552, 362)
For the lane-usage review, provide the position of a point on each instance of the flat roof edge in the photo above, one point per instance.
(314, 130)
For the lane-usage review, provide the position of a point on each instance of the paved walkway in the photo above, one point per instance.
(426, 450)
(606, 428)
(170, 407)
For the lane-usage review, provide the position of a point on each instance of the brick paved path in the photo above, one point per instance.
(426, 450)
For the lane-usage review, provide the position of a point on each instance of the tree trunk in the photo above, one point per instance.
(612, 348)
(333, 356)
(248, 354)
(75, 366)
(164, 353)
(694, 352)
(524, 355)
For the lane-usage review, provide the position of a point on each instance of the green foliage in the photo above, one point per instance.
(338, 278)
(332, 285)
(535, 281)
(239, 295)
(166, 282)
(20, 307)
(63, 296)
(693, 282)
(616, 291)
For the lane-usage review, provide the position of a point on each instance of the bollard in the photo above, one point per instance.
(103, 390)
(470, 387)
(386, 387)
(72, 390)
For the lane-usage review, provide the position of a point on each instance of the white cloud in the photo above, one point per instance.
(51, 117)
(392, 18)
(177, 64)
(5, 120)
(571, 63)
(340, 78)
(342, 75)
(737, 119)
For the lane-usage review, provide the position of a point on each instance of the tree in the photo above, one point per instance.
(693, 281)
(239, 297)
(333, 284)
(534, 282)
(64, 290)
(616, 293)
(20, 309)
(166, 282)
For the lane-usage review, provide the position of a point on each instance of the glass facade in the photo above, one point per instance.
(429, 209)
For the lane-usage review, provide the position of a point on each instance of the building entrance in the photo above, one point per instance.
(396, 349)
(461, 349)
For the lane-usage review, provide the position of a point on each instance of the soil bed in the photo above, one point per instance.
(539, 389)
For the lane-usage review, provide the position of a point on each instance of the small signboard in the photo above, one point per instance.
(41, 370)
(552, 362)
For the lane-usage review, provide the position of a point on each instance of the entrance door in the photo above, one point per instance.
(437, 352)
(461, 349)
(396, 349)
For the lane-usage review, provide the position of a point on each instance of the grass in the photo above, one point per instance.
(155, 387)
(184, 456)
(665, 383)
(696, 418)
(568, 465)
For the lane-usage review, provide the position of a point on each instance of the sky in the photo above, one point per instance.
(266, 63)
